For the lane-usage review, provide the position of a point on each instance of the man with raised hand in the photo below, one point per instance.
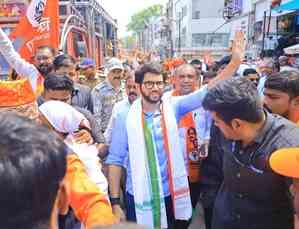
(43, 62)
(147, 137)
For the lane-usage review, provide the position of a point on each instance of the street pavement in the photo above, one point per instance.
(198, 219)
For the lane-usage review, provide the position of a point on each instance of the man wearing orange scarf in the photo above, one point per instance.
(194, 127)
(89, 203)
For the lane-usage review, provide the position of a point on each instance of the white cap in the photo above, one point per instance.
(114, 63)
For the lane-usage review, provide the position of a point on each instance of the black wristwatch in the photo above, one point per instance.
(115, 201)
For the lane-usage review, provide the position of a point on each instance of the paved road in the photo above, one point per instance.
(198, 220)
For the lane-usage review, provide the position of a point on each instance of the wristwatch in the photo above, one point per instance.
(115, 201)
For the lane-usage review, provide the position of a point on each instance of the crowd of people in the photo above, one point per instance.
(146, 142)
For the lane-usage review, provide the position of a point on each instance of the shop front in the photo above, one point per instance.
(287, 24)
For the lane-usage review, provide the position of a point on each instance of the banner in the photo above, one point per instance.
(40, 26)
(15, 9)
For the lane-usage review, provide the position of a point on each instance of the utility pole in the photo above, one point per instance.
(264, 33)
(180, 24)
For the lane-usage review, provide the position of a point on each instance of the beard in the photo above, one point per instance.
(45, 69)
(132, 97)
(149, 99)
(133, 94)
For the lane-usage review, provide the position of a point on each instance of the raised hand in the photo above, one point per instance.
(238, 48)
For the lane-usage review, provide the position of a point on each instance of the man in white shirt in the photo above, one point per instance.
(132, 92)
(43, 60)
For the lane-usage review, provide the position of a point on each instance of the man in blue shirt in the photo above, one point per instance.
(266, 68)
(151, 86)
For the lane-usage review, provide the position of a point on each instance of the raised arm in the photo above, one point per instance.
(238, 52)
(22, 67)
(187, 103)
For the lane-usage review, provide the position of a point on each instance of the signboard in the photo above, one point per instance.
(240, 25)
(12, 9)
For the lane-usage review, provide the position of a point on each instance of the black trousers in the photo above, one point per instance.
(208, 217)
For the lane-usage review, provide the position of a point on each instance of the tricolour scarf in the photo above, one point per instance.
(146, 176)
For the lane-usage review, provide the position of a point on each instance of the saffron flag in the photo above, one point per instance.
(40, 26)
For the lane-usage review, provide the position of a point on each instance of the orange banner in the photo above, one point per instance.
(40, 26)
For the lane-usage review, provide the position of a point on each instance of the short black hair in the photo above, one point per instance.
(286, 81)
(224, 60)
(195, 62)
(209, 75)
(249, 71)
(50, 48)
(58, 83)
(153, 68)
(236, 98)
(32, 166)
(59, 60)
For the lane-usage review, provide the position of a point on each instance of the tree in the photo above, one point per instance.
(139, 20)
(129, 42)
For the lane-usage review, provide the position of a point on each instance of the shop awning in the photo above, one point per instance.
(291, 5)
(292, 50)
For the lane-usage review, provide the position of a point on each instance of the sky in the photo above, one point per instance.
(122, 10)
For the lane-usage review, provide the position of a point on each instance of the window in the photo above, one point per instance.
(62, 10)
(184, 11)
(237, 6)
(157, 35)
(183, 37)
(288, 24)
(233, 7)
(210, 40)
(196, 15)
(184, 31)
(177, 42)
(217, 40)
(198, 39)
(79, 44)
(82, 12)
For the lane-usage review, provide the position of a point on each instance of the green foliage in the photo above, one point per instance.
(139, 20)
(129, 42)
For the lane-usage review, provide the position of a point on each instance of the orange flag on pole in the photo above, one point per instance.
(40, 26)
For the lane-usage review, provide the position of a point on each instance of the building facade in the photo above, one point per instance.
(198, 26)
(86, 28)
(265, 28)
(102, 28)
